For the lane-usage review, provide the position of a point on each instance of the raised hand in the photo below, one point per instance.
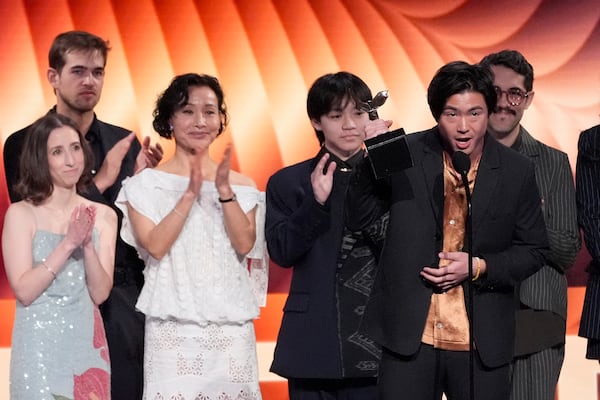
(222, 174)
(111, 166)
(91, 214)
(196, 178)
(322, 180)
(149, 156)
(377, 127)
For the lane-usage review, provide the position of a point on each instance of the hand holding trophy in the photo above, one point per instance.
(388, 152)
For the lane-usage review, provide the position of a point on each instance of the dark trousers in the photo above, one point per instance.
(125, 335)
(535, 376)
(333, 389)
(431, 372)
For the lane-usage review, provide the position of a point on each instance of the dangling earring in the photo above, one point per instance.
(170, 128)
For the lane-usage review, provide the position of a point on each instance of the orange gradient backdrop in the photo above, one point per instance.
(267, 53)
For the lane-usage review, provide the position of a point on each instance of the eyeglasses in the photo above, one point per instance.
(514, 96)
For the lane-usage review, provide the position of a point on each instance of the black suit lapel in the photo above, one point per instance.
(486, 181)
(433, 171)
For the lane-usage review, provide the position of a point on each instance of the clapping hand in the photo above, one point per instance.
(111, 166)
(149, 156)
(322, 179)
(81, 225)
(196, 178)
(222, 175)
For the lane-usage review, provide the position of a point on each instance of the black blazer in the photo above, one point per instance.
(307, 236)
(588, 204)
(508, 232)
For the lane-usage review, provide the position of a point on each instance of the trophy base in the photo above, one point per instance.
(388, 153)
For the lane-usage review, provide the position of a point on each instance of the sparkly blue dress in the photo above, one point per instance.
(58, 344)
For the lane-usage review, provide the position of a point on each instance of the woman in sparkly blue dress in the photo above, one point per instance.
(58, 253)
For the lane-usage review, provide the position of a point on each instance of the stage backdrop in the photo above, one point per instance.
(267, 54)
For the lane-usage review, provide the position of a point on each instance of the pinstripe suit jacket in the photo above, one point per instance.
(588, 206)
(547, 288)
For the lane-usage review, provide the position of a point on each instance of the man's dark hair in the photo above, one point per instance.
(328, 93)
(35, 182)
(177, 95)
(514, 60)
(74, 41)
(458, 77)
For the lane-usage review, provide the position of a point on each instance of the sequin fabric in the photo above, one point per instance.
(58, 344)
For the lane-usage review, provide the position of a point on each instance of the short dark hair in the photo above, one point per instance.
(329, 91)
(35, 182)
(78, 41)
(514, 60)
(457, 77)
(176, 96)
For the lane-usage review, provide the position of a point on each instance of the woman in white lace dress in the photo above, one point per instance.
(195, 224)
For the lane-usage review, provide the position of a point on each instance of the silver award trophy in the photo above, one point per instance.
(388, 152)
(371, 106)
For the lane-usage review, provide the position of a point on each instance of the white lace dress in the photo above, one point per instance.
(201, 297)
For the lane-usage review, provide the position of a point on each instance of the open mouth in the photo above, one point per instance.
(463, 142)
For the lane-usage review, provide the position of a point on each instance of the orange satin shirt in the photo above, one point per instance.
(447, 325)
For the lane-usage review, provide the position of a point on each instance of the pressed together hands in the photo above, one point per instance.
(81, 226)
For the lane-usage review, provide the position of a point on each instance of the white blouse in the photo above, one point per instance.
(201, 279)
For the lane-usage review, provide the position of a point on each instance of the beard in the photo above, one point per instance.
(79, 104)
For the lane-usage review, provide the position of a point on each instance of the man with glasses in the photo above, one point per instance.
(542, 298)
